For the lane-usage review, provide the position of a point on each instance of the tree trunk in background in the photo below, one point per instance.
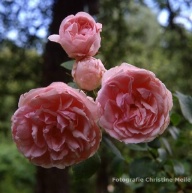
(54, 54)
(55, 180)
(102, 175)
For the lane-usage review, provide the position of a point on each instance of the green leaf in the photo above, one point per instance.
(68, 65)
(168, 166)
(167, 145)
(155, 143)
(175, 119)
(138, 147)
(112, 147)
(162, 154)
(174, 131)
(185, 102)
(118, 166)
(72, 84)
(142, 167)
(86, 168)
(178, 168)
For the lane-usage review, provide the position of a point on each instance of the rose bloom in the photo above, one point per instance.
(55, 126)
(134, 104)
(87, 73)
(79, 35)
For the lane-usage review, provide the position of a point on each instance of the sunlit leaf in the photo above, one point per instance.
(68, 65)
(162, 154)
(185, 102)
(178, 167)
(167, 145)
(174, 131)
(86, 168)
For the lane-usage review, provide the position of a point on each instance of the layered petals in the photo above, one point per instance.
(79, 35)
(134, 104)
(55, 126)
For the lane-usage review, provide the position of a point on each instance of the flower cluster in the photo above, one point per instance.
(58, 126)
(79, 36)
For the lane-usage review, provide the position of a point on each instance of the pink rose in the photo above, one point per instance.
(87, 73)
(135, 104)
(79, 35)
(55, 126)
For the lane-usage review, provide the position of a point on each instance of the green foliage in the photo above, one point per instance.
(138, 147)
(86, 168)
(68, 65)
(112, 148)
(20, 72)
(73, 85)
(175, 118)
(142, 167)
(186, 105)
(16, 173)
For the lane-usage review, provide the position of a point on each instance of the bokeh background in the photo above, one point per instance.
(152, 34)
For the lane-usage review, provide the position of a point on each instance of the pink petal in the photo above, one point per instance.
(54, 38)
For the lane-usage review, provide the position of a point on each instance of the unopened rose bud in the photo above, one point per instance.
(87, 73)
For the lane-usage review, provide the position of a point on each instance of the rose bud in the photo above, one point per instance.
(79, 35)
(87, 73)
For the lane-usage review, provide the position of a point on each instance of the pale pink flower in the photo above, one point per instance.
(55, 126)
(87, 73)
(134, 104)
(79, 35)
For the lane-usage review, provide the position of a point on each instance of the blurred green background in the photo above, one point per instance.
(152, 34)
